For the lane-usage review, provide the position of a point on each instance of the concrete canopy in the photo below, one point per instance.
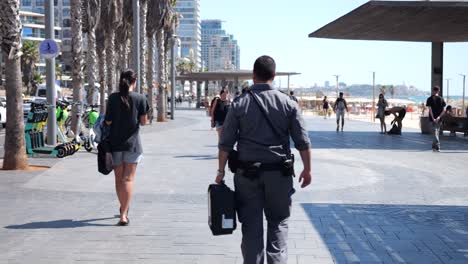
(423, 21)
(225, 75)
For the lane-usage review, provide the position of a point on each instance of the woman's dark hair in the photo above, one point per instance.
(127, 79)
(224, 90)
(264, 68)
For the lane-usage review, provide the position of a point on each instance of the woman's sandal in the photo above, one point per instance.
(122, 223)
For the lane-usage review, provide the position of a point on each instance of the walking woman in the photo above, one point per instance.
(126, 112)
(382, 105)
(219, 110)
(325, 107)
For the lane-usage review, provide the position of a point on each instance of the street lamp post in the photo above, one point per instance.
(463, 98)
(337, 77)
(50, 76)
(373, 96)
(173, 75)
(448, 98)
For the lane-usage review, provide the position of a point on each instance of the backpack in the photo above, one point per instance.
(341, 105)
(101, 131)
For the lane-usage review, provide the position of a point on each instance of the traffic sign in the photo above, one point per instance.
(49, 49)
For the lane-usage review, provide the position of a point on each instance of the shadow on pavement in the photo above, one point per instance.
(57, 224)
(392, 233)
(373, 140)
(197, 157)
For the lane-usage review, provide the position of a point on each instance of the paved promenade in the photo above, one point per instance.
(374, 199)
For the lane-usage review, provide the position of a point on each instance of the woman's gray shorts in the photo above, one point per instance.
(126, 157)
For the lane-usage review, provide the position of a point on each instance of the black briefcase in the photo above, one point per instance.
(221, 209)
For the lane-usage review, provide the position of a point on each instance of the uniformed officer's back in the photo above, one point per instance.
(263, 180)
(256, 140)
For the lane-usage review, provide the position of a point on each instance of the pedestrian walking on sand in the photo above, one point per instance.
(126, 112)
(381, 106)
(340, 107)
(262, 121)
(436, 105)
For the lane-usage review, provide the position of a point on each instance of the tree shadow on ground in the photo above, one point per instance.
(373, 140)
(58, 224)
(391, 233)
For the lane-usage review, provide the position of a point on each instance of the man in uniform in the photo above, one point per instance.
(268, 188)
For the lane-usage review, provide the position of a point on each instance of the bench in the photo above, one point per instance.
(455, 124)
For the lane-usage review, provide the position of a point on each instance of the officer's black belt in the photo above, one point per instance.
(261, 166)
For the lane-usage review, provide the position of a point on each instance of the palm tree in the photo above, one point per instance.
(29, 58)
(111, 20)
(143, 51)
(124, 33)
(77, 57)
(10, 29)
(392, 90)
(162, 14)
(92, 15)
(151, 28)
(101, 54)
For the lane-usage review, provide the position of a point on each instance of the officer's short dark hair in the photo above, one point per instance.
(291, 92)
(341, 93)
(264, 68)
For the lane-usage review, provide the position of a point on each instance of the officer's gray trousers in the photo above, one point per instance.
(271, 193)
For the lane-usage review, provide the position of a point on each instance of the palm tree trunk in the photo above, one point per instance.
(143, 12)
(151, 72)
(161, 76)
(77, 47)
(110, 57)
(15, 151)
(91, 64)
(102, 78)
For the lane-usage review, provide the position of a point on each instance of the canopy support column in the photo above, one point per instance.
(437, 69)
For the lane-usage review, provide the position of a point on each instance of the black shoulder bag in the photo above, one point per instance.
(288, 162)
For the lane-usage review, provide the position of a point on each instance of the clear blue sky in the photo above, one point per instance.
(280, 29)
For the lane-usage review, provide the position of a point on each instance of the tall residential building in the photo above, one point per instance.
(189, 30)
(33, 30)
(220, 50)
(62, 20)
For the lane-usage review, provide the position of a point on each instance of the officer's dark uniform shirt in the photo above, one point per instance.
(246, 125)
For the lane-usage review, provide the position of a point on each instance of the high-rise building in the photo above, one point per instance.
(189, 30)
(220, 50)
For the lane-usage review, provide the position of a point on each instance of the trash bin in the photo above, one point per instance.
(425, 124)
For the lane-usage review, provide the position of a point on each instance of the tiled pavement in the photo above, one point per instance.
(374, 199)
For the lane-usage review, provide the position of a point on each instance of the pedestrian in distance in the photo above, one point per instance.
(291, 95)
(381, 106)
(261, 122)
(436, 106)
(399, 113)
(219, 110)
(325, 107)
(126, 111)
(340, 107)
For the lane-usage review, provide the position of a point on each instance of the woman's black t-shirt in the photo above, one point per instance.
(220, 111)
(124, 131)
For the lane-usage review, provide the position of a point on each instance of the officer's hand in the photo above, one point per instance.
(305, 178)
(219, 179)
